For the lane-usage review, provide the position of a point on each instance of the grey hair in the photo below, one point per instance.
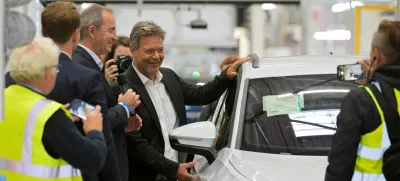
(145, 28)
(28, 62)
(92, 15)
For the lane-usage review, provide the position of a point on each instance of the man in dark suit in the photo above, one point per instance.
(61, 21)
(97, 36)
(164, 96)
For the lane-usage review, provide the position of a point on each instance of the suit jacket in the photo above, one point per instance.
(146, 149)
(116, 114)
(75, 81)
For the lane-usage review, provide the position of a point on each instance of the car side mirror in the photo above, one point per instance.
(195, 138)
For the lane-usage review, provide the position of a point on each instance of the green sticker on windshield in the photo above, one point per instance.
(283, 104)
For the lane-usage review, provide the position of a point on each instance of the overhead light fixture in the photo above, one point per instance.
(333, 35)
(340, 7)
(268, 6)
(198, 24)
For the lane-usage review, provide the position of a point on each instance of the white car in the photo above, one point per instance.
(280, 126)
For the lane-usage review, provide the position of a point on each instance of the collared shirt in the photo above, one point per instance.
(165, 110)
(94, 56)
(30, 87)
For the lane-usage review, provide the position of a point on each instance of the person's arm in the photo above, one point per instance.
(94, 93)
(119, 113)
(355, 116)
(61, 137)
(195, 95)
(143, 151)
(119, 116)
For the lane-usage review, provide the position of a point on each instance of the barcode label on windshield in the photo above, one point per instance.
(282, 104)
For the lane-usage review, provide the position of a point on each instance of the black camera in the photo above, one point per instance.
(123, 62)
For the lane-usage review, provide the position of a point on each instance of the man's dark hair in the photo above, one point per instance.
(122, 41)
(59, 21)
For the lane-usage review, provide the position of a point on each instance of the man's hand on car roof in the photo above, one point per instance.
(231, 72)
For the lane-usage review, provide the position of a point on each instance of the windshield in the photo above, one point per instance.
(284, 130)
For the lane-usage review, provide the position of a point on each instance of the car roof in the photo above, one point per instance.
(299, 65)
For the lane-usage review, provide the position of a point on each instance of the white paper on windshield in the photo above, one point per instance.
(326, 117)
(283, 104)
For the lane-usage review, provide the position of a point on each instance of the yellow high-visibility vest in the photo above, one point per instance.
(22, 154)
(372, 147)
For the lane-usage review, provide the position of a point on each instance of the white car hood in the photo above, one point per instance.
(278, 167)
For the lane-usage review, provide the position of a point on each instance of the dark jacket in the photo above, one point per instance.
(116, 115)
(358, 116)
(75, 81)
(59, 127)
(146, 149)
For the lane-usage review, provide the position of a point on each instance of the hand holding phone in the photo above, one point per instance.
(91, 116)
(94, 120)
(350, 72)
(73, 118)
(78, 107)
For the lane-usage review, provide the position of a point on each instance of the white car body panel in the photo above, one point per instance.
(276, 167)
(203, 136)
(233, 164)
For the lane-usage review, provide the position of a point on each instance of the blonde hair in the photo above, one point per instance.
(29, 62)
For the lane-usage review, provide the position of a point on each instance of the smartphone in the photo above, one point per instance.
(78, 107)
(350, 72)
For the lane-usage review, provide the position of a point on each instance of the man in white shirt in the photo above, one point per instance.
(164, 96)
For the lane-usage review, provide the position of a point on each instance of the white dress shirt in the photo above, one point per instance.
(165, 110)
(94, 56)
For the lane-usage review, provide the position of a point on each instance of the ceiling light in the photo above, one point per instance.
(333, 35)
(340, 7)
(354, 4)
(268, 6)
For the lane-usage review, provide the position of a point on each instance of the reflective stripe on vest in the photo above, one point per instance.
(25, 166)
(368, 177)
(372, 147)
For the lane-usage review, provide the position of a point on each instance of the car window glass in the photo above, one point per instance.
(223, 113)
(308, 132)
(221, 125)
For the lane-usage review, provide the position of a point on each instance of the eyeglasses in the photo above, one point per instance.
(111, 31)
